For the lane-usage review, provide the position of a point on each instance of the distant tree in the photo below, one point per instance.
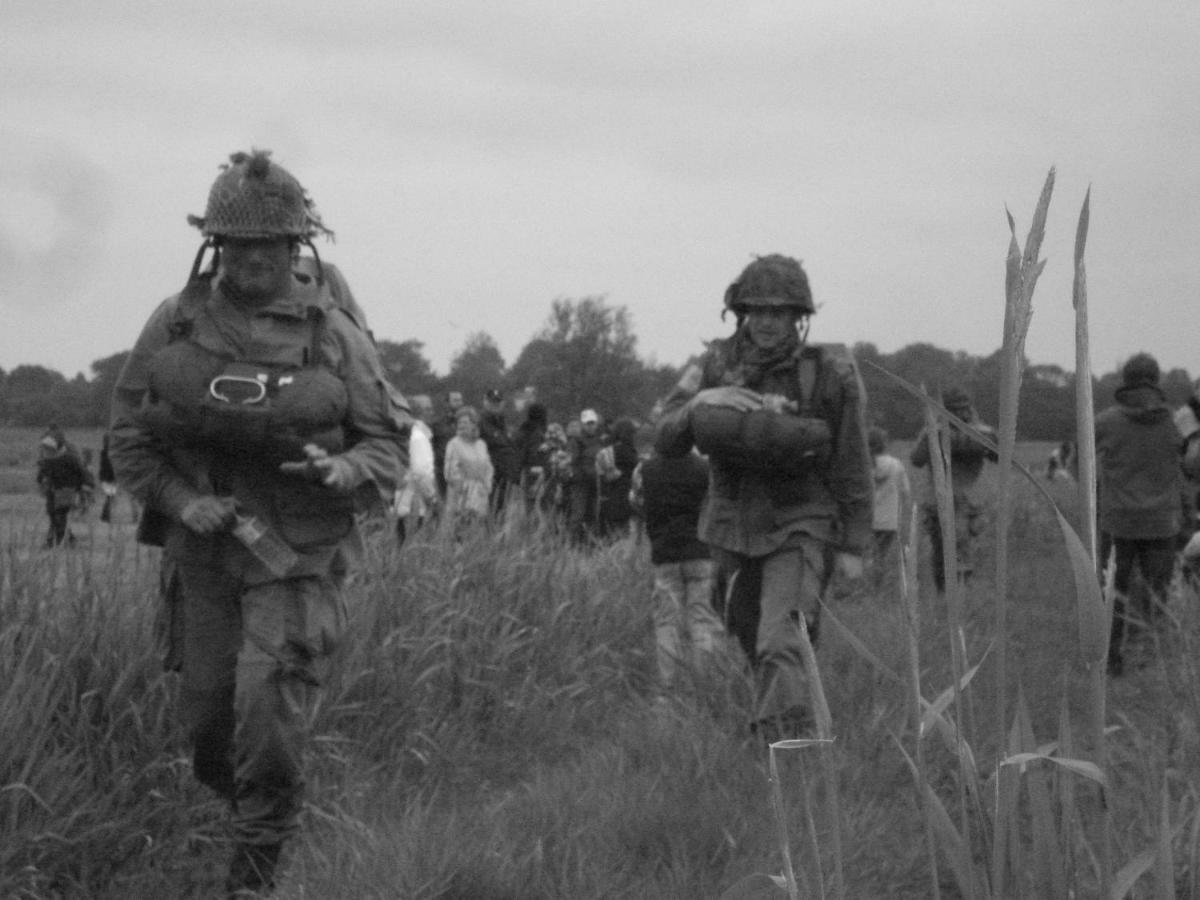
(477, 368)
(31, 396)
(1047, 410)
(407, 368)
(586, 356)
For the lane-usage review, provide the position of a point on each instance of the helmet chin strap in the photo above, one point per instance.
(307, 241)
(216, 258)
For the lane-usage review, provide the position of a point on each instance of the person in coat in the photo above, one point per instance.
(1140, 498)
(64, 482)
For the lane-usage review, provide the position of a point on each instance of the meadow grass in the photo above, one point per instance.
(494, 730)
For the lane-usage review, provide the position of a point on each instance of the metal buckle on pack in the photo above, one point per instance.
(238, 379)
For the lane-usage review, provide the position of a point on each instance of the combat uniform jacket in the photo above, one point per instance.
(754, 513)
(1141, 478)
(167, 475)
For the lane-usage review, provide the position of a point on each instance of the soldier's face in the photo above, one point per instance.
(770, 326)
(259, 268)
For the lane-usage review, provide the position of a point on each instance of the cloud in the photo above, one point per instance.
(53, 219)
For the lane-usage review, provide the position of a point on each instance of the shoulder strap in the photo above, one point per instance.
(809, 372)
(191, 299)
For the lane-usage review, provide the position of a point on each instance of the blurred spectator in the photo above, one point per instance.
(893, 502)
(494, 432)
(614, 465)
(469, 471)
(582, 492)
(967, 457)
(442, 431)
(64, 481)
(1140, 497)
(533, 458)
(417, 496)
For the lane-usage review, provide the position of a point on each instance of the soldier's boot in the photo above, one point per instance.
(252, 870)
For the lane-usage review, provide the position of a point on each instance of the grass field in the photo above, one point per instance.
(494, 732)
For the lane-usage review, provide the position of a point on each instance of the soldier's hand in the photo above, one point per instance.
(849, 566)
(332, 471)
(738, 398)
(206, 515)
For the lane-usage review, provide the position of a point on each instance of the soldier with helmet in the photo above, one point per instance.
(790, 497)
(254, 412)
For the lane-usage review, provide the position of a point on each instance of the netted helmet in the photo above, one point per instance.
(254, 197)
(774, 280)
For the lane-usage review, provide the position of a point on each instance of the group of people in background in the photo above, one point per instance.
(469, 464)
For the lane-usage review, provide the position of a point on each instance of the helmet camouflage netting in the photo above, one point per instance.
(256, 198)
(773, 280)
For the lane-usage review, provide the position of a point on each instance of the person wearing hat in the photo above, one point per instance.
(254, 412)
(1139, 497)
(967, 458)
(789, 502)
(583, 490)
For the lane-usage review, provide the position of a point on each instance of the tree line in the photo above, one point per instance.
(585, 355)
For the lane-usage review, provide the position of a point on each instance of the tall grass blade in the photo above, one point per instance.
(1021, 274)
(1048, 856)
(954, 846)
(912, 621)
(781, 824)
(939, 467)
(1164, 868)
(1084, 404)
(856, 643)
(1094, 626)
(828, 770)
(756, 887)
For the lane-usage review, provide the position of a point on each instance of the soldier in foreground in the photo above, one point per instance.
(253, 419)
(790, 495)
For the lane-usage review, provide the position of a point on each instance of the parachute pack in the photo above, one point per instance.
(788, 441)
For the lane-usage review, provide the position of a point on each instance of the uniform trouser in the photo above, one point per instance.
(252, 658)
(685, 623)
(767, 598)
(59, 529)
(1155, 559)
(968, 524)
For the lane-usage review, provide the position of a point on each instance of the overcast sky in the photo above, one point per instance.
(479, 160)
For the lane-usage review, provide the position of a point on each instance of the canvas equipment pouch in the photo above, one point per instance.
(199, 398)
(762, 440)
